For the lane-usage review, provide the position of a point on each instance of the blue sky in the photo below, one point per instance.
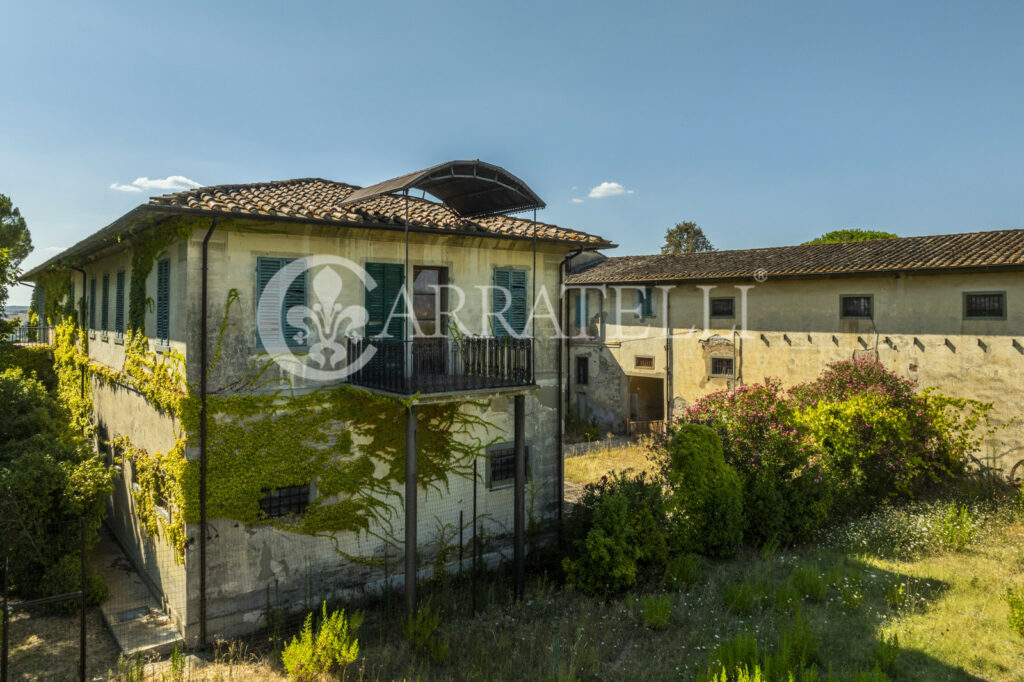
(766, 123)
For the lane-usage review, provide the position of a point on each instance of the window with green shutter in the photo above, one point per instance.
(163, 301)
(646, 302)
(390, 278)
(509, 283)
(119, 306)
(579, 306)
(105, 306)
(272, 321)
(92, 304)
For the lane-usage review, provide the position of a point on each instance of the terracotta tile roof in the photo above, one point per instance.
(317, 199)
(1000, 248)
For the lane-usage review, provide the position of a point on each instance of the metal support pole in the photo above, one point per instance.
(520, 495)
(411, 416)
(6, 621)
(473, 580)
(202, 434)
(81, 623)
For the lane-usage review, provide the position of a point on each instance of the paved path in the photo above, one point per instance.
(133, 615)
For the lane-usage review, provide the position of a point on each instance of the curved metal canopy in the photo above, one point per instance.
(470, 188)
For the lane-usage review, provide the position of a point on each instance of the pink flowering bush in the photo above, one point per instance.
(856, 434)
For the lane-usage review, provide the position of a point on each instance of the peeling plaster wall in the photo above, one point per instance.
(794, 329)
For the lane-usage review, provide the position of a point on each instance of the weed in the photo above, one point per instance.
(326, 649)
(897, 595)
(1015, 600)
(786, 598)
(797, 647)
(177, 666)
(683, 571)
(739, 597)
(808, 582)
(421, 631)
(956, 528)
(129, 669)
(656, 610)
(740, 652)
(851, 593)
(885, 653)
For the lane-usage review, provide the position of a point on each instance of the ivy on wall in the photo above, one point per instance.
(342, 440)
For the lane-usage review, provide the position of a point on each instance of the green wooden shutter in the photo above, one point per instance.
(502, 283)
(105, 307)
(517, 311)
(294, 296)
(579, 302)
(646, 302)
(268, 321)
(390, 278)
(119, 305)
(514, 282)
(92, 303)
(163, 300)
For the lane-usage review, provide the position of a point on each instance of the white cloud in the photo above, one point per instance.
(124, 188)
(577, 201)
(608, 189)
(170, 183)
(55, 249)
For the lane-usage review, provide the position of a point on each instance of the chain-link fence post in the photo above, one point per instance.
(5, 623)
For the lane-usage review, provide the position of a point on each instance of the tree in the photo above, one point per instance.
(838, 236)
(15, 244)
(686, 237)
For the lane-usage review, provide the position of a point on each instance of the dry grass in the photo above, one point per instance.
(589, 468)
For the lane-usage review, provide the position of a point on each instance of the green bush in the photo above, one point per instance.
(956, 528)
(49, 478)
(741, 598)
(797, 647)
(616, 532)
(683, 571)
(706, 501)
(66, 576)
(1015, 600)
(656, 610)
(34, 361)
(325, 649)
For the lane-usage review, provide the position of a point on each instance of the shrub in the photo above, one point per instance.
(786, 598)
(741, 598)
(421, 631)
(897, 595)
(49, 479)
(740, 652)
(1015, 600)
(706, 502)
(656, 610)
(683, 571)
(617, 530)
(34, 361)
(325, 649)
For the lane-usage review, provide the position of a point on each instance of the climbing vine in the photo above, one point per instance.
(340, 440)
(146, 248)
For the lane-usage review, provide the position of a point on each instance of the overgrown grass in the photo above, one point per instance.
(589, 468)
(939, 615)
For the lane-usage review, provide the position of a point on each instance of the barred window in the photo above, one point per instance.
(643, 362)
(723, 307)
(856, 306)
(582, 370)
(987, 304)
(292, 499)
(721, 367)
(503, 464)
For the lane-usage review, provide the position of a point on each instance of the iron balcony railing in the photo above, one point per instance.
(442, 364)
(29, 336)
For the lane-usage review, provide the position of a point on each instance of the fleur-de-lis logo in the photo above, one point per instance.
(323, 331)
(322, 322)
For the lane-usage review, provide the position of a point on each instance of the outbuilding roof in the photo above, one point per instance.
(993, 249)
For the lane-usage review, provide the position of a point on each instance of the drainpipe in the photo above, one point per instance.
(668, 357)
(561, 407)
(202, 437)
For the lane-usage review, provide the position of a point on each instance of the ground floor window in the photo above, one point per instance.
(292, 499)
(722, 367)
(502, 470)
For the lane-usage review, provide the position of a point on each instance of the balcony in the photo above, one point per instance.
(30, 336)
(441, 365)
